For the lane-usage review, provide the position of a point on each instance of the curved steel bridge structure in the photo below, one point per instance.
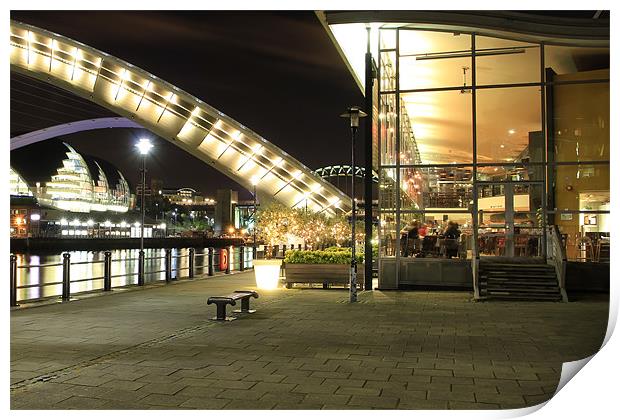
(172, 114)
(70, 128)
(344, 170)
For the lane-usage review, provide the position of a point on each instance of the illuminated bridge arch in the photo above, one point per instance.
(172, 114)
(71, 128)
(344, 170)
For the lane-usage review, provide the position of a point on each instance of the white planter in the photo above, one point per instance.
(267, 273)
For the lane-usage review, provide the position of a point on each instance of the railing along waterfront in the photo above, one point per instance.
(226, 260)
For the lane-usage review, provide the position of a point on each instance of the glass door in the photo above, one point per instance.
(510, 219)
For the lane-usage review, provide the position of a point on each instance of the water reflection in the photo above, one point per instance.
(45, 280)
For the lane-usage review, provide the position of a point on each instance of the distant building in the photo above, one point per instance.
(59, 177)
(58, 192)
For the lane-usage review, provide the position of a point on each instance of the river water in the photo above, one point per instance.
(87, 269)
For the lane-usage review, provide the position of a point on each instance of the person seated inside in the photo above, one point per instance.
(408, 238)
(452, 235)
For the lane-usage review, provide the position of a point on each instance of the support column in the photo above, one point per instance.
(368, 167)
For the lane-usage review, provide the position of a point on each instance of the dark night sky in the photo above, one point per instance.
(277, 73)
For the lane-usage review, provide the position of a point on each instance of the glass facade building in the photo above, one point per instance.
(501, 134)
(67, 180)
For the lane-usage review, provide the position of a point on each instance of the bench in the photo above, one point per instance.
(222, 301)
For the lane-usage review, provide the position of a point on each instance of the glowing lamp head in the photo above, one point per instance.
(144, 146)
(35, 217)
(254, 180)
(231, 230)
(354, 113)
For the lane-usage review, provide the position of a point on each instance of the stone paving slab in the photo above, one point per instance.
(303, 349)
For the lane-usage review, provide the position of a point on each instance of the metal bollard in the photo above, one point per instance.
(192, 251)
(231, 255)
(140, 268)
(241, 258)
(283, 250)
(107, 271)
(210, 262)
(66, 277)
(168, 263)
(13, 276)
(299, 247)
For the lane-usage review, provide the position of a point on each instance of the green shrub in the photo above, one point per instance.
(321, 257)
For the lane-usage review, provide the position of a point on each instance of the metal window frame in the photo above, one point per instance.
(543, 84)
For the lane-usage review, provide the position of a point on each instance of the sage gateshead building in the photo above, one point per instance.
(67, 180)
(489, 132)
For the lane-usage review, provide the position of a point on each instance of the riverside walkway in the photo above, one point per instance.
(303, 349)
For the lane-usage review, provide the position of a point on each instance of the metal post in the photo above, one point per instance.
(13, 276)
(241, 258)
(66, 277)
(143, 209)
(192, 252)
(284, 250)
(107, 271)
(141, 267)
(353, 285)
(168, 263)
(369, 98)
(254, 228)
(210, 261)
(230, 259)
(353, 114)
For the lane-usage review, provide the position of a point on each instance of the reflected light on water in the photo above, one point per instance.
(122, 266)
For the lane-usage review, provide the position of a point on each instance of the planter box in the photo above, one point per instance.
(326, 274)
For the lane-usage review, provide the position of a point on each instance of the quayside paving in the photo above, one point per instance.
(303, 349)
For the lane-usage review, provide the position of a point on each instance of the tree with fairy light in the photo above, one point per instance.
(273, 223)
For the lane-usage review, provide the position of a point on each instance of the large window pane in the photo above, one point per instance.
(387, 131)
(387, 38)
(437, 188)
(512, 172)
(387, 189)
(503, 61)
(434, 59)
(574, 183)
(441, 125)
(580, 119)
(586, 236)
(573, 60)
(436, 234)
(388, 234)
(509, 127)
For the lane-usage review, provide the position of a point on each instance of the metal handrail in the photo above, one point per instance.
(89, 279)
(239, 259)
(154, 272)
(28, 286)
(125, 259)
(87, 262)
(41, 265)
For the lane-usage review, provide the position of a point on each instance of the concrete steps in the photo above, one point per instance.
(508, 281)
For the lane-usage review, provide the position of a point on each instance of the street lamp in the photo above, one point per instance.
(254, 181)
(144, 146)
(354, 114)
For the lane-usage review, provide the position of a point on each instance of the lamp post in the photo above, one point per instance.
(254, 181)
(144, 146)
(354, 114)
